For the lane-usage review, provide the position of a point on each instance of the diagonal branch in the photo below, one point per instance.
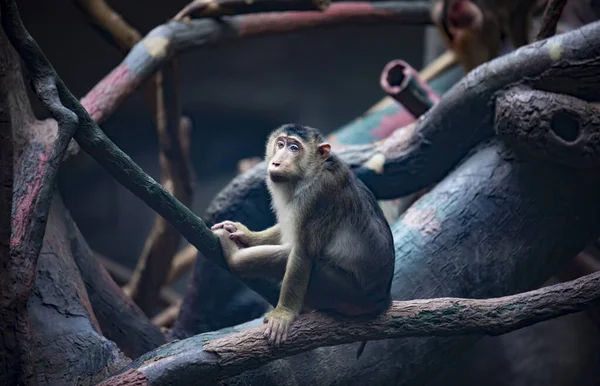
(221, 357)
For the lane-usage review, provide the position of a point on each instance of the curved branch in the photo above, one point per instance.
(175, 37)
(224, 357)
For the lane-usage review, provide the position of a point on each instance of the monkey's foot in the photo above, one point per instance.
(237, 232)
(278, 324)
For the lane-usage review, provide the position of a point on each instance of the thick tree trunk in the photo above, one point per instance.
(68, 346)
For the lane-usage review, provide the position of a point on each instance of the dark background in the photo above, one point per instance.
(234, 93)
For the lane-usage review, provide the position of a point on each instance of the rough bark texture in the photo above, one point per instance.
(68, 346)
(176, 37)
(120, 319)
(42, 287)
(552, 127)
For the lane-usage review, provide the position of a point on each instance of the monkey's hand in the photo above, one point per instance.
(278, 323)
(237, 232)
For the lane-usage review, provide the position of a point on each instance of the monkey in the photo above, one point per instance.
(474, 29)
(331, 248)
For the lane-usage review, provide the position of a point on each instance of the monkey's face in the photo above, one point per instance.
(287, 158)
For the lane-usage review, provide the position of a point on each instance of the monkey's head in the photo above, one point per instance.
(294, 152)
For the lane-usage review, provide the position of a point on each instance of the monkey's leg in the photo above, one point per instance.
(291, 298)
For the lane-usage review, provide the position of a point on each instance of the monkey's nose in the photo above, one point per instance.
(276, 164)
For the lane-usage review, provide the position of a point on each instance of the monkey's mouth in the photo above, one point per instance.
(278, 176)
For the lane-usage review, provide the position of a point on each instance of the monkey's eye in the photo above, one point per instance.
(280, 144)
(294, 148)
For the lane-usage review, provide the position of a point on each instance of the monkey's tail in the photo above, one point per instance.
(361, 349)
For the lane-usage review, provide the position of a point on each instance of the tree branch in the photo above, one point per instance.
(219, 8)
(217, 359)
(403, 83)
(109, 24)
(175, 37)
(182, 262)
(550, 19)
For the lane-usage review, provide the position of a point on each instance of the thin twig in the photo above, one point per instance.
(219, 8)
(550, 19)
(110, 24)
(182, 261)
(121, 276)
(168, 316)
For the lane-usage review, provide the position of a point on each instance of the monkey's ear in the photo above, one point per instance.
(324, 150)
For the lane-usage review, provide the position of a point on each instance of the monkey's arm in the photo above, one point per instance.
(291, 298)
(269, 236)
(240, 233)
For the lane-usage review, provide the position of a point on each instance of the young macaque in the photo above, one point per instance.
(331, 248)
(474, 29)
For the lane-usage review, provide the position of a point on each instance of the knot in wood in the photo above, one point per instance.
(554, 127)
